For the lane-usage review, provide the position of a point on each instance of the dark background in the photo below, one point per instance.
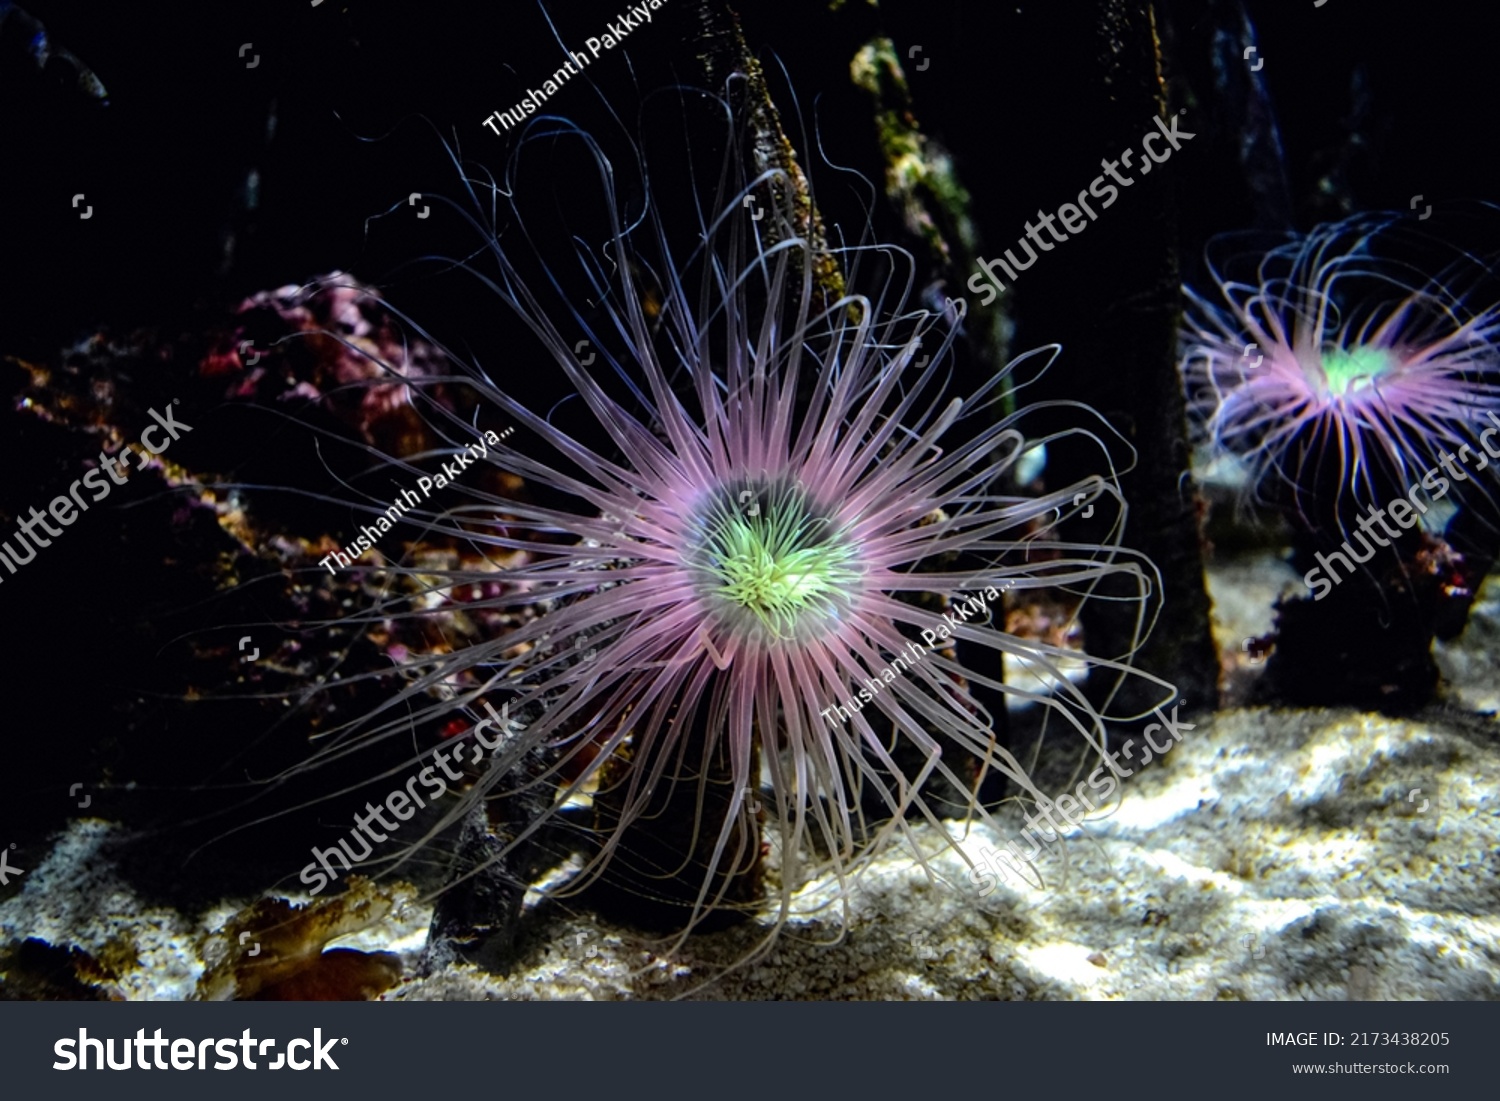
(1375, 103)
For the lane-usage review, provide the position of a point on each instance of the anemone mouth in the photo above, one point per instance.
(770, 564)
(1349, 370)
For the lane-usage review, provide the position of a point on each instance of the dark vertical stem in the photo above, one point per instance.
(1119, 331)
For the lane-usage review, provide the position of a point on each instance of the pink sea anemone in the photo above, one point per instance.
(772, 496)
(1341, 365)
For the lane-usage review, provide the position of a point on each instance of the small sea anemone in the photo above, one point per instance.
(770, 548)
(1340, 366)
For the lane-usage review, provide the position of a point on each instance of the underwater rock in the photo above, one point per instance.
(287, 961)
(1273, 855)
(37, 971)
(328, 341)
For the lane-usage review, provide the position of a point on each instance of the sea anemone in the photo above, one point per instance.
(1340, 366)
(762, 496)
(1351, 372)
